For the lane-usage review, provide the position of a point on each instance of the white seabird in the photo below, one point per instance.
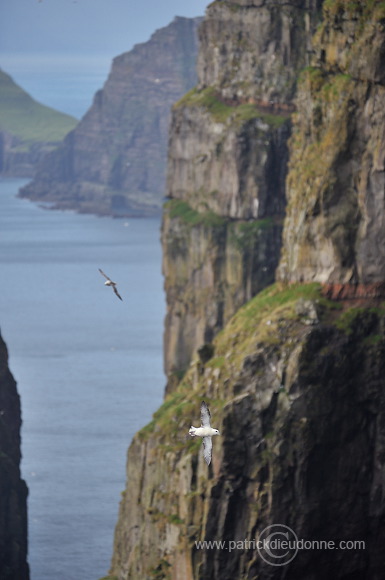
(205, 431)
(109, 282)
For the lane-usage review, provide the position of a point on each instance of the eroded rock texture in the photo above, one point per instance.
(295, 381)
(296, 389)
(334, 230)
(228, 158)
(13, 490)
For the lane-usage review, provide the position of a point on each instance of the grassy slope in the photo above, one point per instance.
(257, 322)
(27, 119)
(223, 113)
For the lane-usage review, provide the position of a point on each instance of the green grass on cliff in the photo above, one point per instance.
(181, 209)
(223, 112)
(276, 301)
(316, 159)
(256, 321)
(259, 322)
(365, 10)
(27, 119)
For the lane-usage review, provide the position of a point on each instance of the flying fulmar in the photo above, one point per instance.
(205, 431)
(109, 282)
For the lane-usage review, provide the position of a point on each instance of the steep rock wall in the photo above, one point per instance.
(251, 48)
(334, 230)
(212, 266)
(228, 162)
(13, 490)
(114, 162)
(296, 388)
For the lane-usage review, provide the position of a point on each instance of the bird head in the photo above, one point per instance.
(216, 432)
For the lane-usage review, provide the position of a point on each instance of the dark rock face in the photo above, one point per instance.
(320, 476)
(13, 490)
(114, 162)
(299, 402)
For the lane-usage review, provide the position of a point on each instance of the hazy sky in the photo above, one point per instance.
(73, 26)
(42, 40)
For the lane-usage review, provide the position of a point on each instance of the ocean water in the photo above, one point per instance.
(88, 369)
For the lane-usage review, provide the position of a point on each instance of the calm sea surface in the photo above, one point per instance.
(88, 369)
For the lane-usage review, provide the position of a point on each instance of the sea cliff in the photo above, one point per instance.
(13, 490)
(227, 168)
(295, 377)
(296, 388)
(114, 161)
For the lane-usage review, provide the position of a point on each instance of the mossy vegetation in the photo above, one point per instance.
(27, 119)
(314, 159)
(364, 319)
(222, 112)
(216, 362)
(161, 571)
(181, 407)
(175, 519)
(243, 235)
(369, 9)
(312, 75)
(276, 300)
(191, 217)
(263, 321)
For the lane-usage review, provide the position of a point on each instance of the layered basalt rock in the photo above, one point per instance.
(212, 266)
(252, 49)
(334, 229)
(228, 158)
(295, 381)
(296, 388)
(114, 162)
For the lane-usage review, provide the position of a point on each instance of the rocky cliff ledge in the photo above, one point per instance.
(227, 167)
(13, 490)
(114, 162)
(295, 381)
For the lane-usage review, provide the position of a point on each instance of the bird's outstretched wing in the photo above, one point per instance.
(116, 292)
(205, 415)
(105, 275)
(207, 447)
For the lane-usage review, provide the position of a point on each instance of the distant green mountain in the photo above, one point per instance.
(27, 119)
(28, 130)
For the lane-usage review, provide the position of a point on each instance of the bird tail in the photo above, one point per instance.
(192, 431)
